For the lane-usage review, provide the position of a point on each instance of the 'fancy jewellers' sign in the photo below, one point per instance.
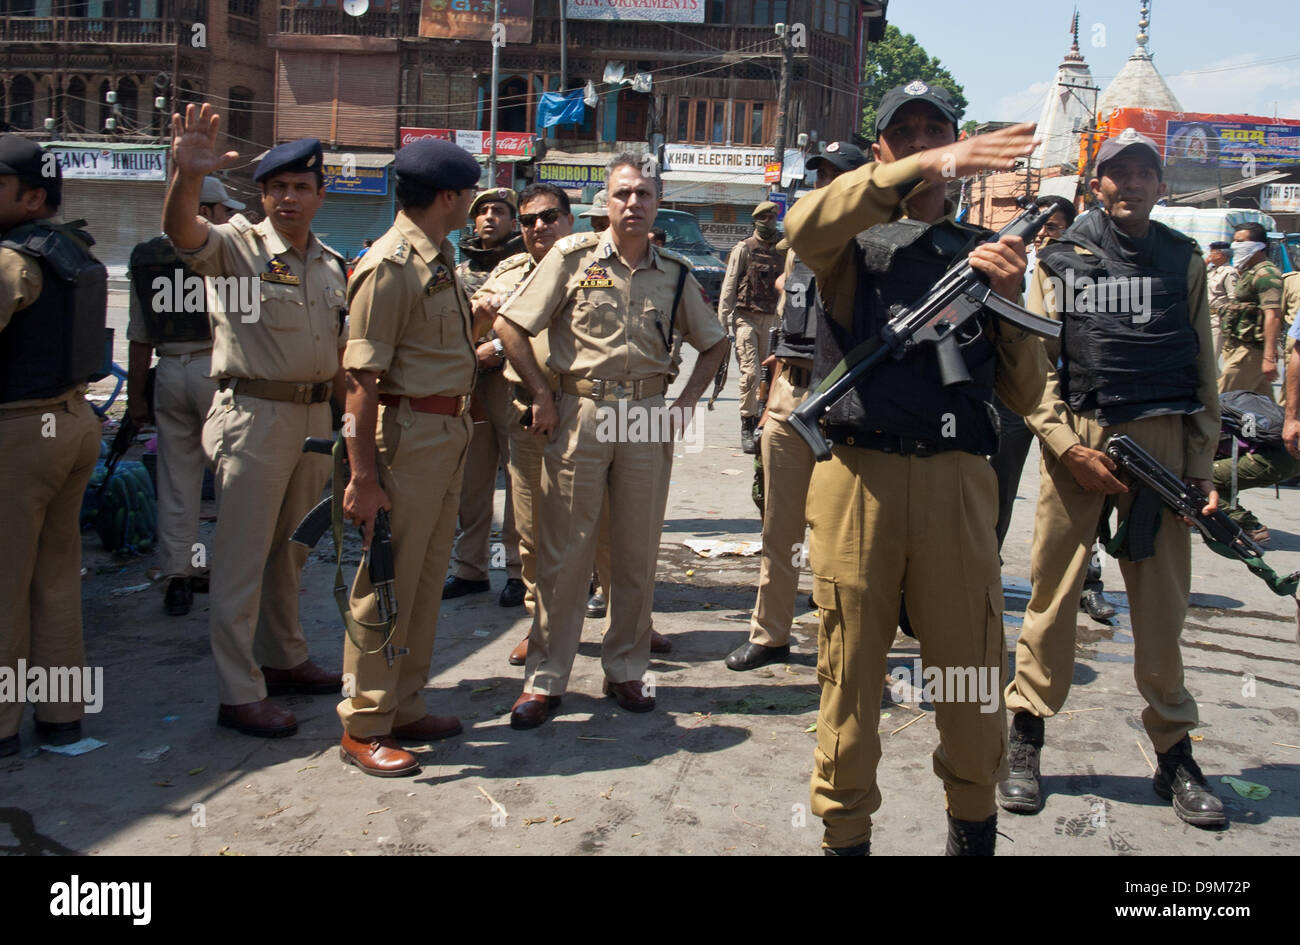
(92, 163)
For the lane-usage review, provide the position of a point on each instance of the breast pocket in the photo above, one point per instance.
(596, 317)
(336, 303)
(442, 317)
(279, 306)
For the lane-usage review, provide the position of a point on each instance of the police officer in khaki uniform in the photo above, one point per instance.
(51, 343)
(908, 501)
(278, 329)
(607, 301)
(183, 392)
(410, 364)
(1171, 410)
(494, 241)
(1220, 283)
(747, 308)
(787, 464)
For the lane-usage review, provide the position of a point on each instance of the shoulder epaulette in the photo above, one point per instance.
(510, 262)
(576, 241)
(400, 253)
(331, 250)
(240, 223)
(677, 258)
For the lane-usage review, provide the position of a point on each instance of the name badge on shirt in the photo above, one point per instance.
(596, 277)
(277, 271)
(442, 279)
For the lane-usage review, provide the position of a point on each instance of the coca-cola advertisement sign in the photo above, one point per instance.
(509, 143)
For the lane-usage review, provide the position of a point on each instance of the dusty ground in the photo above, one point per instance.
(721, 767)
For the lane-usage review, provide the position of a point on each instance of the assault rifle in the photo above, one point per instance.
(936, 319)
(1222, 534)
(126, 434)
(378, 560)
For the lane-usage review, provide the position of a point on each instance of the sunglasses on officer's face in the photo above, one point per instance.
(548, 216)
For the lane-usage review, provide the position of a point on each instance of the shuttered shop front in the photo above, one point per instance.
(118, 214)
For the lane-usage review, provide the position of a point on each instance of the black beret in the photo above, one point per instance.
(1221, 245)
(439, 164)
(26, 158)
(292, 157)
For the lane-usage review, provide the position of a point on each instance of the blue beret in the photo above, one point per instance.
(439, 164)
(293, 157)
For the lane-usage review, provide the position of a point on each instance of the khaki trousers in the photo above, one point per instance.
(267, 484)
(183, 395)
(787, 469)
(578, 471)
(47, 456)
(751, 351)
(489, 449)
(525, 469)
(1243, 369)
(604, 566)
(884, 524)
(421, 461)
(1065, 526)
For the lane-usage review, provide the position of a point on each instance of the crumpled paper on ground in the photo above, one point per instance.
(715, 548)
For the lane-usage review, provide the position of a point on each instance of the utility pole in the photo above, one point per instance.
(783, 112)
(564, 47)
(496, 73)
(176, 63)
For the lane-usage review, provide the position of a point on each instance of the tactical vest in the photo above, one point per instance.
(58, 341)
(757, 289)
(172, 298)
(1241, 320)
(799, 313)
(896, 264)
(1124, 359)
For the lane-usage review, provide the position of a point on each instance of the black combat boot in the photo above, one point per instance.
(1178, 777)
(861, 849)
(747, 442)
(1021, 792)
(971, 837)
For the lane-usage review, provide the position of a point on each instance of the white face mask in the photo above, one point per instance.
(1243, 251)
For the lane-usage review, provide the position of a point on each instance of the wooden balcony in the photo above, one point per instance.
(31, 29)
(305, 21)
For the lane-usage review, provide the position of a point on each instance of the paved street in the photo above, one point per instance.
(721, 767)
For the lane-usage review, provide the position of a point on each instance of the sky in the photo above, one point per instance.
(1216, 57)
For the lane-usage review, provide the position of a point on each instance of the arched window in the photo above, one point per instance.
(74, 103)
(22, 113)
(512, 105)
(128, 104)
(239, 114)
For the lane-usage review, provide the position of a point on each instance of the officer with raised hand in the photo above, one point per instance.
(53, 303)
(278, 327)
(908, 501)
(410, 369)
(182, 392)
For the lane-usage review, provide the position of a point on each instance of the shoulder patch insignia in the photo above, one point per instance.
(443, 278)
(399, 253)
(576, 241)
(595, 276)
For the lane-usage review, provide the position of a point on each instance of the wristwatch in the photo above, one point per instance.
(499, 349)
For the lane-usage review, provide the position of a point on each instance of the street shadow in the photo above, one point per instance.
(708, 527)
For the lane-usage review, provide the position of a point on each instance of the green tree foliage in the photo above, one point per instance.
(896, 60)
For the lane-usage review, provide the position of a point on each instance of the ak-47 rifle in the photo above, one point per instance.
(936, 320)
(765, 375)
(121, 443)
(1224, 536)
(378, 560)
(720, 378)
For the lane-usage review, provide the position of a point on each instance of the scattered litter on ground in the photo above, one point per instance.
(557, 820)
(529, 821)
(784, 699)
(906, 724)
(480, 633)
(717, 548)
(1144, 754)
(76, 748)
(194, 771)
(1247, 789)
(171, 718)
(133, 589)
(810, 729)
(380, 811)
(151, 755)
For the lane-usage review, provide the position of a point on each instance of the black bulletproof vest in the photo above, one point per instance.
(896, 264)
(58, 341)
(172, 298)
(1128, 346)
(799, 313)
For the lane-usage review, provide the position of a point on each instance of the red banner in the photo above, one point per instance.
(509, 143)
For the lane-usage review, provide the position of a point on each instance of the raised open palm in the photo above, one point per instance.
(194, 141)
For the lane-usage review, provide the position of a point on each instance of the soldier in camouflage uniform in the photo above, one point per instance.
(1251, 323)
(493, 212)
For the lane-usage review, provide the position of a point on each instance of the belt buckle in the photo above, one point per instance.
(462, 404)
(621, 391)
(598, 390)
(301, 394)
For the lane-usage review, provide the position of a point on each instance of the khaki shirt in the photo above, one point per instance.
(1051, 421)
(1290, 297)
(1221, 283)
(608, 321)
(820, 227)
(505, 279)
(300, 324)
(410, 320)
(20, 283)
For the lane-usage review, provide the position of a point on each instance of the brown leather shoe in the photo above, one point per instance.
(631, 695)
(429, 729)
(305, 679)
(378, 755)
(532, 709)
(519, 655)
(263, 719)
(660, 643)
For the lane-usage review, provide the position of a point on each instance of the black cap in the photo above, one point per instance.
(841, 155)
(438, 164)
(1222, 245)
(1128, 139)
(914, 91)
(293, 157)
(26, 158)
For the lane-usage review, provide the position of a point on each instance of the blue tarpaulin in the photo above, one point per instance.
(560, 108)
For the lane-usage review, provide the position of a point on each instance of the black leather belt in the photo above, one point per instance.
(885, 442)
(799, 377)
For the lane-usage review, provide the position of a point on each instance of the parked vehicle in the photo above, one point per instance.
(684, 238)
(1205, 225)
